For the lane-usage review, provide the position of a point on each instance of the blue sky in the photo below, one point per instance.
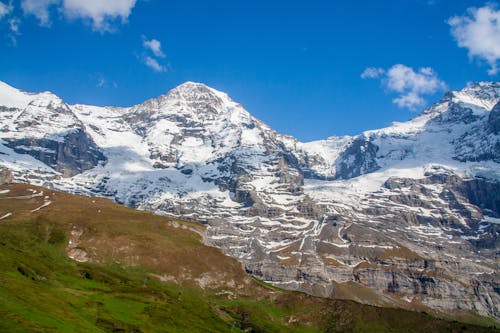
(297, 65)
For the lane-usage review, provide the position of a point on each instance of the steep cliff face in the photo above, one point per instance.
(357, 159)
(494, 119)
(418, 240)
(43, 126)
(408, 213)
(70, 154)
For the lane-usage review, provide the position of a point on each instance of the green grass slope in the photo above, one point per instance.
(142, 273)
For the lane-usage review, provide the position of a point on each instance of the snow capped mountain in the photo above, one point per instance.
(409, 212)
(43, 126)
(448, 131)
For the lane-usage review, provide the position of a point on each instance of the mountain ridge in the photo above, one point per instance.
(410, 210)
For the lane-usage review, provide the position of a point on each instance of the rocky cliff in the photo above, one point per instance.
(403, 215)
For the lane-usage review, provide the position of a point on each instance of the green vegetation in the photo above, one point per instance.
(41, 289)
(144, 276)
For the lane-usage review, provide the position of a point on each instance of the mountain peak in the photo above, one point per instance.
(196, 92)
(15, 98)
(483, 94)
(187, 98)
(192, 85)
(190, 88)
(12, 97)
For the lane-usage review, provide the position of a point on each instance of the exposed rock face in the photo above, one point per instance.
(494, 119)
(358, 158)
(408, 213)
(414, 240)
(5, 176)
(45, 127)
(72, 154)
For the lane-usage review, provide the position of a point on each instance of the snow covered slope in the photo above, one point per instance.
(43, 126)
(410, 211)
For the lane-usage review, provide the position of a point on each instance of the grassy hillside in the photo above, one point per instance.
(136, 272)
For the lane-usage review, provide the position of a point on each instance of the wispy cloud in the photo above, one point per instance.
(5, 9)
(151, 54)
(154, 46)
(7, 12)
(372, 73)
(410, 85)
(14, 25)
(479, 32)
(154, 64)
(39, 9)
(100, 82)
(101, 14)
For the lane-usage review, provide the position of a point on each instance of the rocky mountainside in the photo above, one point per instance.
(85, 264)
(408, 214)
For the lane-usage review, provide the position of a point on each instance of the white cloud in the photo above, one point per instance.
(5, 9)
(14, 25)
(154, 46)
(153, 64)
(100, 82)
(409, 84)
(479, 32)
(372, 73)
(39, 9)
(13, 22)
(402, 78)
(101, 13)
(409, 101)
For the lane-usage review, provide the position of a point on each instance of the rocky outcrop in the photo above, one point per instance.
(70, 154)
(359, 158)
(494, 119)
(6, 176)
